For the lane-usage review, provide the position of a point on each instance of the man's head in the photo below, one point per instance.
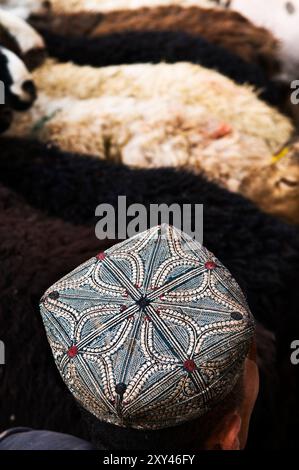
(154, 339)
(224, 427)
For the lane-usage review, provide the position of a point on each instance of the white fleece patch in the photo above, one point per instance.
(282, 18)
(22, 8)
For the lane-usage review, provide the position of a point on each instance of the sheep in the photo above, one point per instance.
(277, 188)
(144, 133)
(156, 134)
(32, 392)
(282, 19)
(21, 38)
(17, 88)
(180, 83)
(140, 116)
(225, 28)
(156, 46)
(261, 252)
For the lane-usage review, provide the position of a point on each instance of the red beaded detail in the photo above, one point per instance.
(73, 351)
(189, 365)
(101, 256)
(210, 265)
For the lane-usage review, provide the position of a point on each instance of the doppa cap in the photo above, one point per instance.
(151, 333)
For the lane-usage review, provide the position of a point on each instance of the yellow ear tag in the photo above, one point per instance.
(280, 155)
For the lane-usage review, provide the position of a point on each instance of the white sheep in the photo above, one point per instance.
(183, 82)
(162, 132)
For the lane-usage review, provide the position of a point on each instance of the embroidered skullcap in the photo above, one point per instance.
(151, 333)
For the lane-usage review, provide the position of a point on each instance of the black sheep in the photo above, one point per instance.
(226, 28)
(261, 252)
(156, 46)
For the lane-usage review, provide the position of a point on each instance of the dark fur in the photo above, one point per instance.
(35, 251)
(34, 58)
(6, 117)
(12, 101)
(261, 252)
(8, 41)
(156, 46)
(223, 27)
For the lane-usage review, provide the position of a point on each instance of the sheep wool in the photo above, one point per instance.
(159, 132)
(110, 5)
(184, 83)
(139, 132)
(6, 117)
(134, 47)
(222, 27)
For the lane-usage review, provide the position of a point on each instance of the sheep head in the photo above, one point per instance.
(276, 189)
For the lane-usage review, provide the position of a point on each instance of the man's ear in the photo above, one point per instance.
(228, 436)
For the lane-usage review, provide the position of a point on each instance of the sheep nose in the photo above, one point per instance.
(29, 88)
(22, 103)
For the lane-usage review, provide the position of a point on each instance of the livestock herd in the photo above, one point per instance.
(165, 102)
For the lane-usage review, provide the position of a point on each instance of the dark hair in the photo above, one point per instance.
(191, 435)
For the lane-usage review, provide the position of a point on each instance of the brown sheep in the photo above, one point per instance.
(222, 27)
